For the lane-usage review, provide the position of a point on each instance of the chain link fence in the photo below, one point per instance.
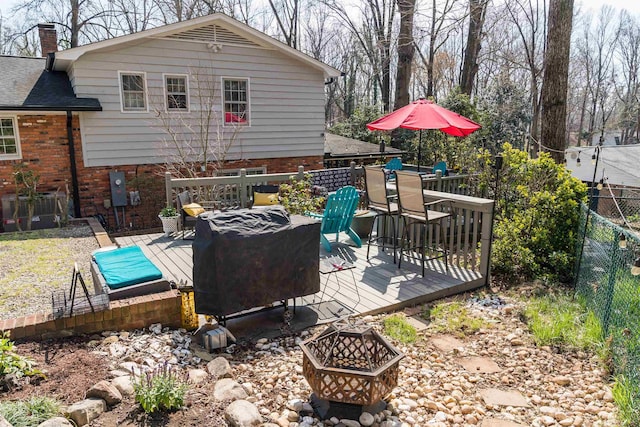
(609, 289)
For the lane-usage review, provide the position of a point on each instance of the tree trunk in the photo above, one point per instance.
(556, 75)
(405, 52)
(75, 25)
(477, 10)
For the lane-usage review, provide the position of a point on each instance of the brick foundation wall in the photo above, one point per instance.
(126, 314)
(45, 150)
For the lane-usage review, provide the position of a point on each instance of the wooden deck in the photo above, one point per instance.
(373, 286)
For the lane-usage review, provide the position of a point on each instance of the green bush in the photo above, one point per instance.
(160, 390)
(32, 412)
(296, 197)
(538, 212)
(12, 363)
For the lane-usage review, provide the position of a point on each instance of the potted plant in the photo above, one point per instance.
(169, 217)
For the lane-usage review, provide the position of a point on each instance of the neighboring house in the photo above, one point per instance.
(84, 112)
(341, 151)
(617, 163)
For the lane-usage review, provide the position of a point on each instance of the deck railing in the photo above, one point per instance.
(468, 231)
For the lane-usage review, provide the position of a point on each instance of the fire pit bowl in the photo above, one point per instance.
(351, 364)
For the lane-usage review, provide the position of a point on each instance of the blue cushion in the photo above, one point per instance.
(126, 266)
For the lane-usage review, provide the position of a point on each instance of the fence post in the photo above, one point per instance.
(243, 187)
(352, 165)
(300, 173)
(167, 188)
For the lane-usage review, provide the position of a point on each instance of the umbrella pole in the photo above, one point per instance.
(419, 149)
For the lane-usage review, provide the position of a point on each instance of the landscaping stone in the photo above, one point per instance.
(494, 396)
(446, 343)
(106, 391)
(228, 389)
(241, 413)
(124, 385)
(494, 422)
(482, 365)
(56, 422)
(366, 419)
(85, 411)
(196, 376)
(219, 368)
(4, 422)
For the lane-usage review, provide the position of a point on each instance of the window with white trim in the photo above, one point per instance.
(176, 92)
(236, 101)
(134, 97)
(9, 140)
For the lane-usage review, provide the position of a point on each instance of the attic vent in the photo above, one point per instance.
(213, 34)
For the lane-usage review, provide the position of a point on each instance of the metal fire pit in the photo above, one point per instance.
(351, 364)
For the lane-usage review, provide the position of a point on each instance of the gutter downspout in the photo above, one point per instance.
(74, 171)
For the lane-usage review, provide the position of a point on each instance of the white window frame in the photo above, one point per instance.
(166, 93)
(260, 170)
(248, 109)
(121, 91)
(16, 135)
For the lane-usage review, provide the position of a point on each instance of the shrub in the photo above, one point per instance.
(12, 364)
(160, 390)
(32, 412)
(538, 212)
(398, 328)
(296, 197)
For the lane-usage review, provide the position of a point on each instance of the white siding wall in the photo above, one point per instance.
(286, 100)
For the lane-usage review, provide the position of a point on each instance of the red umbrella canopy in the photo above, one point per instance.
(426, 114)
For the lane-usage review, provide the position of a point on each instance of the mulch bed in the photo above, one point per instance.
(69, 369)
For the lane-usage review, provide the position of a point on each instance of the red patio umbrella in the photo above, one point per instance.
(425, 114)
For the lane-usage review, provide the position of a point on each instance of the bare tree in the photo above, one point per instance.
(287, 14)
(477, 13)
(529, 18)
(442, 25)
(373, 31)
(628, 89)
(554, 86)
(405, 52)
(197, 142)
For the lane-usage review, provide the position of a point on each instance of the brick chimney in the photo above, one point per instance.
(48, 38)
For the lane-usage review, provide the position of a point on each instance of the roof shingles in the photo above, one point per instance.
(26, 85)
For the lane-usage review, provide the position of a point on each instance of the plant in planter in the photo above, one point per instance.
(169, 217)
(297, 197)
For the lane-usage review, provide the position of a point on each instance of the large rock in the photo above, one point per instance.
(219, 368)
(106, 391)
(56, 422)
(242, 414)
(124, 385)
(228, 389)
(4, 422)
(85, 411)
(196, 376)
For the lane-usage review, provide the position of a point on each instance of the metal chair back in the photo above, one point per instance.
(375, 185)
(410, 197)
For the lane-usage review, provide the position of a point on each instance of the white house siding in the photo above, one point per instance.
(286, 100)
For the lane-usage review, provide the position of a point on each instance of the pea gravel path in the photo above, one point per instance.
(33, 264)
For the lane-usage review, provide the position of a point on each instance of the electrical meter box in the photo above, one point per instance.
(118, 191)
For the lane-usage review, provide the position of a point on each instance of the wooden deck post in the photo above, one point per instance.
(485, 243)
(353, 180)
(167, 188)
(243, 188)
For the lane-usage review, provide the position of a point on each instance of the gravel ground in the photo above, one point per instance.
(34, 264)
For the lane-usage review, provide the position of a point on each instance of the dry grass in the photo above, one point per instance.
(35, 263)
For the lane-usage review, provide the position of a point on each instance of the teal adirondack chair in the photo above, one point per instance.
(337, 216)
